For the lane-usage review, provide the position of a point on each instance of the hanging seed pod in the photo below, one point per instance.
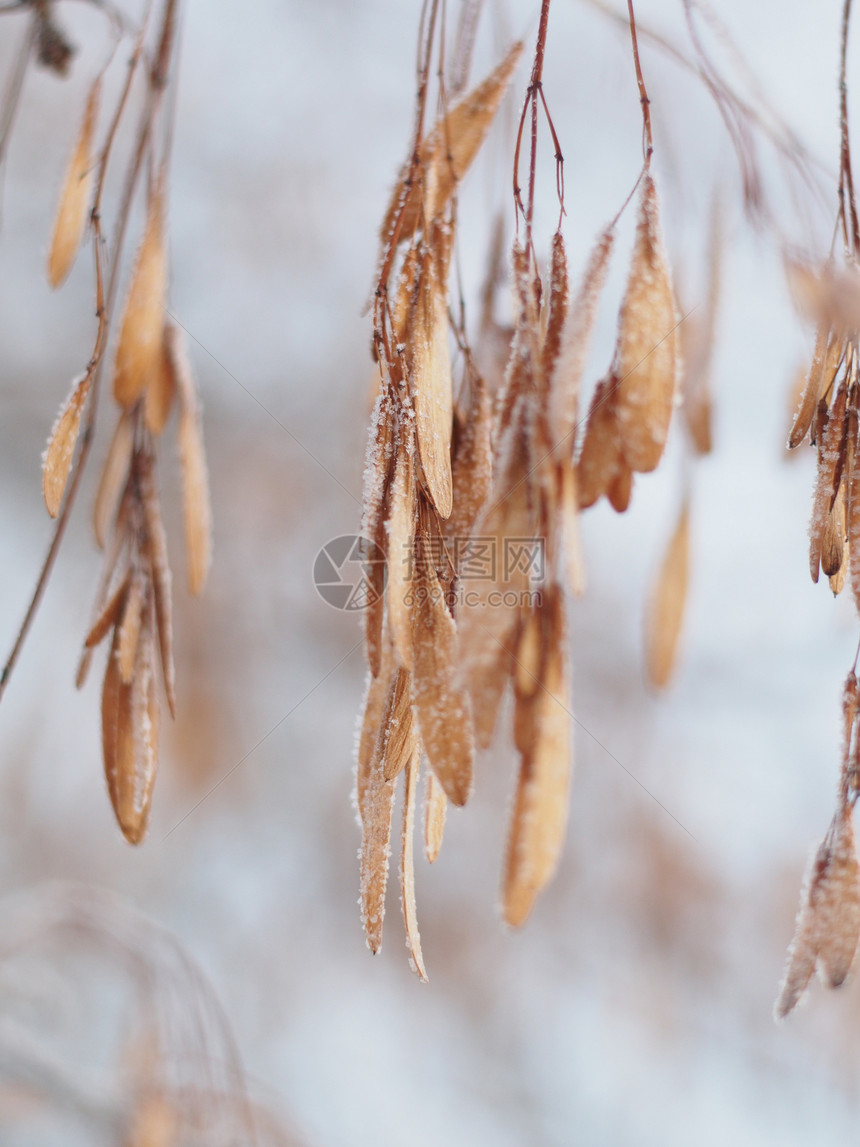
(57, 460)
(435, 807)
(567, 373)
(444, 717)
(73, 208)
(600, 457)
(646, 356)
(140, 337)
(665, 616)
(407, 867)
(431, 375)
(447, 153)
(114, 476)
(196, 504)
(540, 805)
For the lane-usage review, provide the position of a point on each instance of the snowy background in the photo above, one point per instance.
(635, 1009)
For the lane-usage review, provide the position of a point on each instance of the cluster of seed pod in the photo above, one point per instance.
(827, 932)
(490, 468)
(151, 375)
(828, 416)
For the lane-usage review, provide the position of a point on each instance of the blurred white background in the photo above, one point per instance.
(635, 1008)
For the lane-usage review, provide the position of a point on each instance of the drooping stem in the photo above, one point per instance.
(850, 229)
(647, 138)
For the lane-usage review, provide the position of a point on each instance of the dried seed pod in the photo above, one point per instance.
(143, 318)
(447, 153)
(620, 489)
(377, 808)
(162, 578)
(375, 698)
(435, 807)
(130, 736)
(400, 550)
(128, 637)
(828, 923)
(600, 457)
(397, 738)
(472, 469)
(833, 540)
(377, 477)
(114, 476)
(443, 712)
(540, 807)
(161, 389)
(110, 614)
(830, 455)
(557, 307)
(407, 867)
(575, 342)
(196, 504)
(665, 616)
(431, 375)
(825, 362)
(73, 208)
(646, 356)
(836, 900)
(57, 460)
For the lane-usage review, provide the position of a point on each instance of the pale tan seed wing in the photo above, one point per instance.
(620, 488)
(117, 733)
(800, 961)
(162, 578)
(143, 318)
(665, 616)
(407, 868)
(397, 738)
(435, 807)
(813, 389)
(473, 465)
(196, 504)
(74, 205)
(567, 374)
(161, 389)
(109, 616)
(447, 153)
(487, 622)
(135, 782)
(376, 837)
(114, 476)
(139, 592)
(431, 381)
(401, 532)
(540, 805)
(574, 559)
(443, 711)
(600, 457)
(557, 307)
(831, 444)
(57, 461)
(646, 357)
(833, 542)
(836, 903)
(377, 475)
(375, 697)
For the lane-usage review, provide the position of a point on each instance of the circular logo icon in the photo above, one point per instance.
(350, 573)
